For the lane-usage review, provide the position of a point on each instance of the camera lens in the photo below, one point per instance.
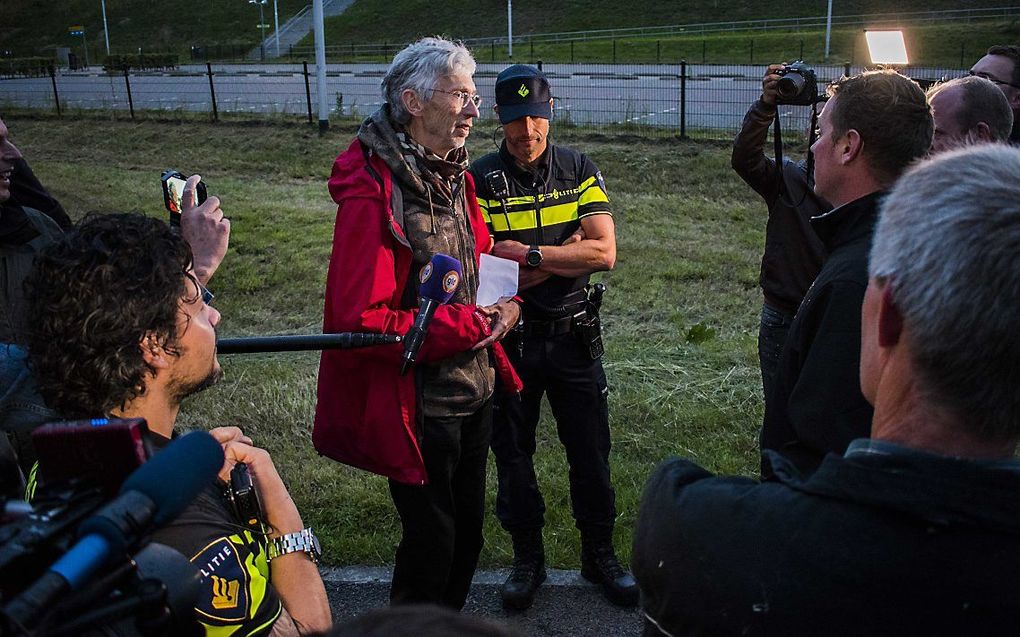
(790, 85)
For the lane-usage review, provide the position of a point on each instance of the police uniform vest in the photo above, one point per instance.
(544, 207)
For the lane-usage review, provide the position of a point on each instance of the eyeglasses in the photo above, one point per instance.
(207, 296)
(464, 96)
(992, 79)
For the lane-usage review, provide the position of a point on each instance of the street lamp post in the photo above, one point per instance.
(828, 29)
(262, 25)
(276, 22)
(106, 29)
(509, 28)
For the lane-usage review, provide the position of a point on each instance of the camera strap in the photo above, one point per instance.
(777, 140)
(777, 144)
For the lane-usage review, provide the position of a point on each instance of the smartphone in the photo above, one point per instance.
(103, 450)
(173, 194)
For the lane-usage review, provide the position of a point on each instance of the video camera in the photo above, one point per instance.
(798, 84)
(77, 562)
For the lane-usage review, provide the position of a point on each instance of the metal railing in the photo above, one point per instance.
(688, 100)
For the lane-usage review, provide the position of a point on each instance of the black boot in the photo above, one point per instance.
(528, 572)
(600, 566)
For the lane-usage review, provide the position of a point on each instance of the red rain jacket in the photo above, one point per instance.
(365, 411)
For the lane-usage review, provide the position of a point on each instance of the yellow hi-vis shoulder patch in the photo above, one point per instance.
(225, 596)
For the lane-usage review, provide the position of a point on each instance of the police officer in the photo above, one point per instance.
(547, 208)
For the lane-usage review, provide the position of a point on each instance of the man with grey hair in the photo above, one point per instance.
(917, 529)
(403, 196)
(968, 110)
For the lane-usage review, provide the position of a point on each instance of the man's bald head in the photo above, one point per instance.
(969, 110)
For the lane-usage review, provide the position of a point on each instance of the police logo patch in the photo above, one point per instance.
(425, 273)
(523, 91)
(225, 597)
(598, 178)
(451, 281)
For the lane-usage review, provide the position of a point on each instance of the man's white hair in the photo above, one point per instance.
(418, 67)
(948, 240)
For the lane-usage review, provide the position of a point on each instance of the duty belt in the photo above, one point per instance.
(548, 328)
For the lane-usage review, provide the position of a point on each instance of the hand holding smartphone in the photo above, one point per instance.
(173, 194)
(205, 228)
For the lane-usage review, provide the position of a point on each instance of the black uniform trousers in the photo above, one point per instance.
(442, 520)
(558, 367)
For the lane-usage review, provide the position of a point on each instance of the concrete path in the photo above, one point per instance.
(566, 604)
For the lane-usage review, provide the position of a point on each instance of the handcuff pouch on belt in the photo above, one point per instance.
(587, 326)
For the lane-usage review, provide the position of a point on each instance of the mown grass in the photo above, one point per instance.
(680, 314)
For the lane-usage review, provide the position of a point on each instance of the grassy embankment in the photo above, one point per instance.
(31, 28)
(680, 315)
(405, 20)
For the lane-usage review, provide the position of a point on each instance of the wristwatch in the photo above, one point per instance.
(304, 540)
(533, 258)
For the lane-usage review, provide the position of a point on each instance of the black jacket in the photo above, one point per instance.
(817, 406)
(901, 543)
(793, 252)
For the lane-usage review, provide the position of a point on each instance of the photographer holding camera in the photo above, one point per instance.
(793, 252)
(122, 327)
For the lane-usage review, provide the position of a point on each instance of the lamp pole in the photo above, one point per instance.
(320, 64)
(262, 20)
(106, 29)
(276, 21)
(509, 28)
(828, 29)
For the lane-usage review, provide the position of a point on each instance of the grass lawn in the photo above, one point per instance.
(680, 315)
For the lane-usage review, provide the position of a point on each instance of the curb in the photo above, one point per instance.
(493, 577)
(567, 605)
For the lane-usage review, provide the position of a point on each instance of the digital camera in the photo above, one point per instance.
(798, 84)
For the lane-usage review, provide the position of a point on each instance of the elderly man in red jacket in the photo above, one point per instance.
(404, 195)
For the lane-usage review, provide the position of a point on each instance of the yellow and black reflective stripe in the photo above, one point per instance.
(33, 482)
(591, 193)
(527, 219)
(519, 213)
(256, 566)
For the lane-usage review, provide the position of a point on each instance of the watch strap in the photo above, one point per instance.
(303, 540)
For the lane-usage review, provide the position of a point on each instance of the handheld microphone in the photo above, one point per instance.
(303, 342)
(438, 281)
(155, 494)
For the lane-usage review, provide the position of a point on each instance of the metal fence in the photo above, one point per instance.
(689, 100)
